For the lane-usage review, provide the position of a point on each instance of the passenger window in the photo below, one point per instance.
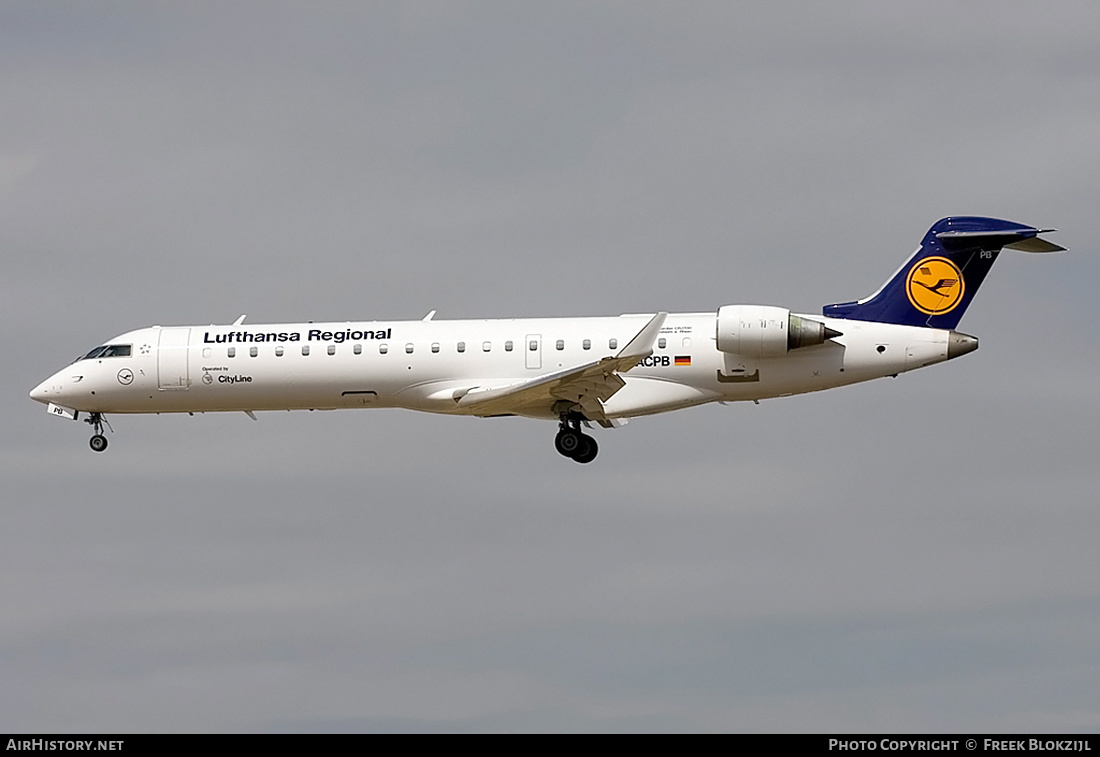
(687, 341)
(305, 349)
(332, 349)
(587, 344)
(462, 346)
(207, 352)
(253, 351)
(231, 352)
(409, 348)
(508, 346)
(533, 345)
(383, 349)
(279, 351)
(613, 344)
(560, 344)
(486, 346)
(662, 343)
(435, 347)
(357, 349)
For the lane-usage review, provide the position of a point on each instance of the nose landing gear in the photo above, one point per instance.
(98, 442)
(574, 444)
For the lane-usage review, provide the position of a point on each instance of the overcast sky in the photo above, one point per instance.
(917, 554)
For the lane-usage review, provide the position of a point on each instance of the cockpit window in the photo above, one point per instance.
(94, 353)
(109, 350)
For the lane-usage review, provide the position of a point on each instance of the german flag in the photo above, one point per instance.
(683, 360)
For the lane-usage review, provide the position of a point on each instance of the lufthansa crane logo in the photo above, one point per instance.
(125, 377)
(935, 286)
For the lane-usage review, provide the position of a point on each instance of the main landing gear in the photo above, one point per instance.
(98, 443)
(574, 444)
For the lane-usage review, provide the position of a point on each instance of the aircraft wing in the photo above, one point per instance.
(588, 385)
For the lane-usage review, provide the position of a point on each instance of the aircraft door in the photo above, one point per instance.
(532, 348)
(172, 359)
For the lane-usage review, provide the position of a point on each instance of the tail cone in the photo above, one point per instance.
(959, 344)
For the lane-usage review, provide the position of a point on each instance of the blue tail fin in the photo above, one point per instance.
(936, 286)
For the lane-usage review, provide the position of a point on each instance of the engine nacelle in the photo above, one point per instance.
(757, 331)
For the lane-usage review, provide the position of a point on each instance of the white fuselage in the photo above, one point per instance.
(420, 365)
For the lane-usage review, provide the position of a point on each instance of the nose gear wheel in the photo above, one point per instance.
(98, 442)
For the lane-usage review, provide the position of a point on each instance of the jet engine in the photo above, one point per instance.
(758, 331)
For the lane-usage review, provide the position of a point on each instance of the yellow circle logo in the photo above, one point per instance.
(935, 286)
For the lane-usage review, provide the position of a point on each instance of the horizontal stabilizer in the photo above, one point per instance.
(1023, 239)
(1035, 244)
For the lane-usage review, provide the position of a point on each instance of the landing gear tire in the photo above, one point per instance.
(576, 446)
(571, 442)
(98, 443)
(568, 441)
(588, 451)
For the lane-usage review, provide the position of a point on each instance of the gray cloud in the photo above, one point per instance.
(911, 554)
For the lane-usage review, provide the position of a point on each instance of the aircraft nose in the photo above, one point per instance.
(54, 388)
(41, 392)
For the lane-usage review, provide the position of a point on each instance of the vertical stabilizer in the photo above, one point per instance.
(936, 286)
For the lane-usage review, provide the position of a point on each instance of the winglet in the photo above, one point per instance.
(239, 321)
(641, 346)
